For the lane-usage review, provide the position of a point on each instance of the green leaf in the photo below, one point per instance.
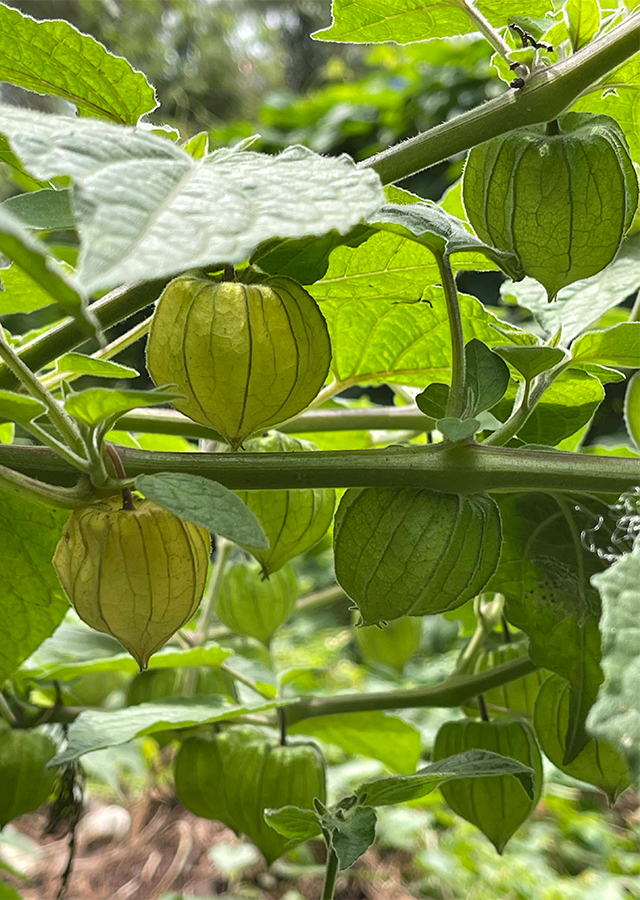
(457, 429)
(430, 225)
(166, 658)
(32, 603)
(7, 431)
(45, 210)
(432, 401)
(21, 293)
(349, 834)
(172, 212)
(53, 57)
(617, 346)
(544, 573)
(531, 361)
(406, 21)
(632, 409)
(567, 405)
(373, 734)
(616, 95)
(20, 408)
(106, 405)
(471, 764)
(293, 822)
(380, 340)
(205, 503)
(31, 255)
(487, 377)
(96, 729)
(598, 763)
(79, 364)
(616, 714)
(583, 20)
(583, 302)
(305, 259)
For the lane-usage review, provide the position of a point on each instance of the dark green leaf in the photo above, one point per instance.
(205, 503)
(45, 210)
(487, 377)
(351, 835)
(433, 400)
(530, 361)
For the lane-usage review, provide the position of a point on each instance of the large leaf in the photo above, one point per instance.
(617, 346)
(106, 405)
(617, 96)
(373, 734)
(21, 293)
(33, 257)
(405, 21)
(206, 503)
(20, 408)
(544, 573)
(95, 729)
(616, 713)
(146, 208)
(581, 303)
(471, 764)
(53, 57)
(32, 603)
(382, 341)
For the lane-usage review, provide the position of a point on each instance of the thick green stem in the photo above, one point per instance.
(32, 489)
(330, 875)
(455, 401)
(452, 692)
(546, 95)
(462, 468)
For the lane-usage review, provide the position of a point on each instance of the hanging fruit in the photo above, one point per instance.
(236, 774)
(517, 697)
(393, 645)
(599, 763)
(248, 604)
(136, 574)
(25, 780)
(561, 198)
(246, 356)
(497, 806)
(402, 551)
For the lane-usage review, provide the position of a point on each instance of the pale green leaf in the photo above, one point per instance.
(21, 293)
(373, 734)
(7, 430)
(44, 210)
(31, 255)
(583, 20)
(53, 57)
(581, 303)
(617, 96)
(406, 21)
(617, 346)
(530, 361)
(79, 364)
(616, 714)
(293, 822)
(32, 603)
(456, 430)
(205, 503)
(632, 409)
(97, 405)
(19, 407)
(96, 729)
(172, 212)
(472, 764)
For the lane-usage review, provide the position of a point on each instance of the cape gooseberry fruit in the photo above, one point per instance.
(393, 645)
(500, 804)
(599, 763)
(561, 198)
(236, 774)
(293, 520)
(516, 697)
(246, 356)
(249, 605)
(25, 780)
(403, 551)
(137, 574)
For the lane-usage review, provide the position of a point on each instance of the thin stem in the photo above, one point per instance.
(330, 875)
(547, 94)
(487, 30)
(121, 343)
(457, 468)
(6, 712)
(506, 631)
(224, 549)
(634, 315)
(63, 451)
(62, 421)
(519, 415)
(229, 273)
(127, 496)
(320, 598)
(243, 679)
(484, 713)
(32, 489)
(455, 401)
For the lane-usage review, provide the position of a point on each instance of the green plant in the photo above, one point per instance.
(500, 515)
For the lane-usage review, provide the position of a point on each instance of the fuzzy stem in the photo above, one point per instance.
(224, 549)
(455, 401)
(32, 489)
(331, 874)
(487, 30)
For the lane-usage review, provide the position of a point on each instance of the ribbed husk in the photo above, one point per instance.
(403, 551)
(562, 202)
(246, 356)
(138, 575)
(236, 774)
(517, 697)
(25, 780)
(393, 645)
(249, 605)
(497, 805)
